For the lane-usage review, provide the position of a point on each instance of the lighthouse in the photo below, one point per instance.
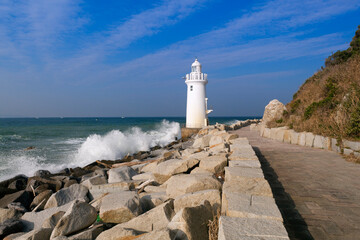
(196, 105)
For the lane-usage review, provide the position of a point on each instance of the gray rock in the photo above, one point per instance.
(22, 197)
(175, 166)
(95, 180)
(17, 206)
(121, 174)
(214, 164)
(66, 195)
(150, 200)
(53, 220)
(79, 216)
(97, 191)
(120, 207)
(42, 173)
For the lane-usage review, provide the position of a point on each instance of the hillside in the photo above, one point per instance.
(328, 103)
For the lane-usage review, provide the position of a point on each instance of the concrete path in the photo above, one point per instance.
(317, 191)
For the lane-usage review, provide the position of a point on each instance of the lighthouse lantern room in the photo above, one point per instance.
(196, 105)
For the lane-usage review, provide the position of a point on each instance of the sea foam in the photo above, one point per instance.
(117, 144)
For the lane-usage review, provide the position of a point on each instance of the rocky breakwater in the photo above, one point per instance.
(166, 193)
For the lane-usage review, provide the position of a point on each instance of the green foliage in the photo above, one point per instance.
(98, 219)
(328, 101)
(285, 113)
(279, 121)
(294, 105)
(353, 129)
(291, 125)
(342, 56)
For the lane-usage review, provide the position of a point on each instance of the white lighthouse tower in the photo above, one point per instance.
(196, 107)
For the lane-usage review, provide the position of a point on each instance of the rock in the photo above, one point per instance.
(144, 176)
(240, 173)
(79, 216)
(66, 195)
(78, 172)
(245, 163)
(41, 188)
(231, 228)
(17, 206)
(243, 154)
(294, 137)
(154, 189)
(53, 220)
(249, 206)
(219, 148)
(154, 219)
(6, 214)
(22, 197)
(214, 140)
(34, 220)
(42, 198)
(10, 226)
(186, 183)
(38, 234)
(118, 233)
(88, 234)
(34, 182)
(334, 146)
(162, 234)
(121, 174)
(273, 111)
(14, 236)
(202, 142)
(95, 180)
(348, 151)
(120, 207)
(287, 135)
(151, 167)
(60, 238)
(19, 184)
(309, 139)
(192, 222)
(352, 145)
(200, 170)
(5, 191)
(214, 164)
(253, 186)
(150, 200)
(97, 191)
(70, 182)
(175, 166)
(196, 198)
(302, 139)
(42, 173)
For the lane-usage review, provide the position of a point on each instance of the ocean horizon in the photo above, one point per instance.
(53, 143)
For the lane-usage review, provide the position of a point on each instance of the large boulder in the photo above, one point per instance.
(95, 180)
(53, 220)
(150, 200)
(6, 214)
(66, 195)
(175, 166)
(79, 216)
(88, 234)
(155, 219)
(120, 174)
(196, 198)
(162, 234)
(186, 183)
(214, 164)
(120, 207)
(38, 234)
(10, 226)
(22, 197)
(192, 222)
(273, 111)
(41, 199)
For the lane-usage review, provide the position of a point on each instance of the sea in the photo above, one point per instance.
(31, 144)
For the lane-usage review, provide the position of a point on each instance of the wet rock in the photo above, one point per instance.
(121, 174)
(65, 195)
(18, 184)
(53, 220)
(10, 226)
(34, 182)
(42, 198)
(186, 183)
(192, 222)
(22, 197)
(42, 173)
(78, 172)
(79, 216)
(120, 207)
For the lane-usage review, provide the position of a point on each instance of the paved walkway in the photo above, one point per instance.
(317, 191)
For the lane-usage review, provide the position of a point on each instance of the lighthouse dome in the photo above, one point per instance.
(196, 66)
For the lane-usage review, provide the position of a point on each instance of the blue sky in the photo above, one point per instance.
(63, 58)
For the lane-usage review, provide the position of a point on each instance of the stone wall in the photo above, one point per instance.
(283, 134)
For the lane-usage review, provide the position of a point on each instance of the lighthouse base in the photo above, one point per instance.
(188, 132)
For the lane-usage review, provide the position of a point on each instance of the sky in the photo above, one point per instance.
(73, 58)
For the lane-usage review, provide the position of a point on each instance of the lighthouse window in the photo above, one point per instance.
(191, 88)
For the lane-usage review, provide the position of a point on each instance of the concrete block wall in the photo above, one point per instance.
(308, 139)
(248, 207)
